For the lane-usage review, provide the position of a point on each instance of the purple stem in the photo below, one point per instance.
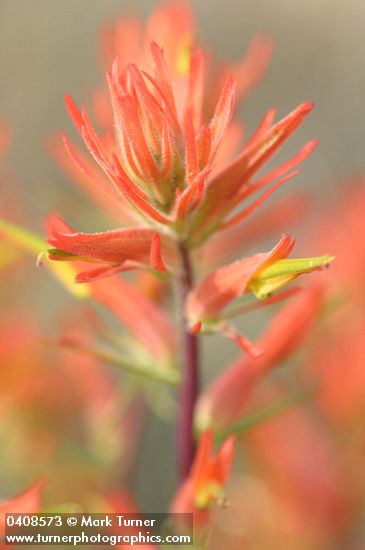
(190, 384)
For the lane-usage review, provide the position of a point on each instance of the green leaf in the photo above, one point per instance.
(166, 375)
(35, 246)
(256, 418)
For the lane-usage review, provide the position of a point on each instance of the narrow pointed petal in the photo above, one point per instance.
(101, 272)
(224, 461)
(141, 204)
(169, 110)
(273, 219)
(135, 134)
(223, 189)
(258, 202)
(209, 472)
(279, 171)
(89, 177)
(156, 258)
(192, 195)
(241, 341)
(205, 483)
(121, 177)
(148, 104)
(136, 196)
(94, 144)
(163, 76)
(223, 113)
(203, 145)
(276, 135)
(166, 151)
(121, 138)
(74, 112)
(195, 95)
(262, 129)
(116, 246)
(191, 154)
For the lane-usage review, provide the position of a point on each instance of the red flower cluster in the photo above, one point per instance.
(168, 167)
(171, 167)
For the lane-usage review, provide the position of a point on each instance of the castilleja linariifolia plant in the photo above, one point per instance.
(173, 166)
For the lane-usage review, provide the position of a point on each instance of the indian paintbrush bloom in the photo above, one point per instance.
(261, 274)
(169, 169)
(159, 163)
(206, 480)
(163, 150)
(169, 186)
(169, 165)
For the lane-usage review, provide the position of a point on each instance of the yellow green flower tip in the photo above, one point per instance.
(28, 242)
(21, 238)
(184, 53)
(278, 273)
(207, 494)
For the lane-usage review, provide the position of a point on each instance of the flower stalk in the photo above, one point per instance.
(190, 383)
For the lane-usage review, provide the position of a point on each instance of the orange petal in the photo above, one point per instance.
(241, 341)
(222, 191)
(112, 246)
(258, 202)
(223, 113)
(191, 154)
(163, 76)
(211, 295)
(156, 258)
(195, 95)
(117, 246)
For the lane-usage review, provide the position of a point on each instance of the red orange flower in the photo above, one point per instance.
(158, 161)
(163, 153)
(118, 250)
(207, 477)
(169, 167)
(260, 274)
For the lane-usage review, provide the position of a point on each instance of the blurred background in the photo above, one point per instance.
(49, 48)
